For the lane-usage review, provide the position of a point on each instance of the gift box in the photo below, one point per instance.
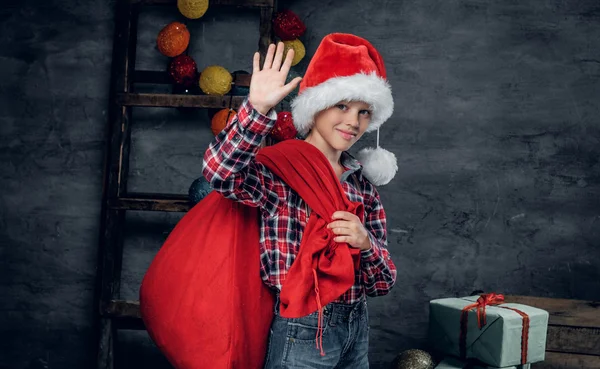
(453, 363)
(487, 329)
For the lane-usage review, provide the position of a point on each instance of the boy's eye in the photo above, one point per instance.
(365, 112)
(341, 106)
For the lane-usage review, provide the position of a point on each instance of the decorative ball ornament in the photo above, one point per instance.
(288, 26)
(284, 127)
(299, 50)
(192, 9)
(413, 359)
(215, 80)
(173, 39)
(221, 119)
(183, 71)
(199, 189)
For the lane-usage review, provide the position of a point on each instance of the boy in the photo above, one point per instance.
(343, 94)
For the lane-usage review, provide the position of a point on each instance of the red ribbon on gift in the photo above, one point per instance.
(490, 299)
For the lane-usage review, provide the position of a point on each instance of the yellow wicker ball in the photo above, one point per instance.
(299, 50)
(215, 80)
(192, 9)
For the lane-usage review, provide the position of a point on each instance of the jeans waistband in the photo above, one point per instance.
(335, 308)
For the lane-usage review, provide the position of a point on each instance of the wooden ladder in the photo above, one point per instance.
(114, 314)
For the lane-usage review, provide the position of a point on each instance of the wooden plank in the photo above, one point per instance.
(579, 340)
(265, 31)
(557, 360)
(152, 202)
(180, 101)
(105, 355)
(111, 241)
(233, 3)
(577, 313)
(162, 78)
(125, 314)
(123, 309)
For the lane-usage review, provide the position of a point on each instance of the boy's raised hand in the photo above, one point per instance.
(268, 87)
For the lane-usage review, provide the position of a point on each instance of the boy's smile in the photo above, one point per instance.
(337, 128)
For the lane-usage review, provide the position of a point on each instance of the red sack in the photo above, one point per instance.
(202, 298)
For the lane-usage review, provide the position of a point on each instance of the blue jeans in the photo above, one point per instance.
(293, 344)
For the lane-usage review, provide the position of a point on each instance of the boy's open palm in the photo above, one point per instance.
(268, 87)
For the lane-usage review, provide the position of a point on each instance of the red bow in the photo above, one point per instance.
(490, 299)
(484, 300)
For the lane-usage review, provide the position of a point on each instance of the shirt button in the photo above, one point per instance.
(236, 138)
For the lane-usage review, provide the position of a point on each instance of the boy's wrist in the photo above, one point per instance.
(264, 110)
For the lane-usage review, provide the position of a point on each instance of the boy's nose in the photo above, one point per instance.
(353, 122)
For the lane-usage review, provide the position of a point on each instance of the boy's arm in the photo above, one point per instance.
(378, 269)
(229, 163)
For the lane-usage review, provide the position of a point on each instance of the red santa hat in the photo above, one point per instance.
(346, 67)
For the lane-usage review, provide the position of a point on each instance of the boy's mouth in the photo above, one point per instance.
(346, 135)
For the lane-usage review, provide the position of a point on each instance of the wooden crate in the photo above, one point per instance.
(573, 332)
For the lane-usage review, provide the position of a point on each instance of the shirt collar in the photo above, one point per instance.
(351, 164)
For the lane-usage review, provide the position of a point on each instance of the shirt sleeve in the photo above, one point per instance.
(229, 163)
(378, 269)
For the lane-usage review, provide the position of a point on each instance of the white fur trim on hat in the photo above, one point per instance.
(379, 165)
(368, 88)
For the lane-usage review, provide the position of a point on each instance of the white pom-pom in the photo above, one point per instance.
(379, 165)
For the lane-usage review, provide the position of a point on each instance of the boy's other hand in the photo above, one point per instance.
(268, 87)
(348, 228)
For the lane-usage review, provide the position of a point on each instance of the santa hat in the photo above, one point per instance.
(348, 67)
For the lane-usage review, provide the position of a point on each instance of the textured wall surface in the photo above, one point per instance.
(495, 128)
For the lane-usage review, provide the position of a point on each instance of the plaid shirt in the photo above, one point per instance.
(230, 167)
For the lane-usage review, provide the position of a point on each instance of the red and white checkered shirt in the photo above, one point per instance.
(230, 167)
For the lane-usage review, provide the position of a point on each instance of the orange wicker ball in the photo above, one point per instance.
(221, 119)
(173, 39)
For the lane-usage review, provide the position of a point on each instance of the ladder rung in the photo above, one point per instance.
(157, 77)
(152, 202)
(125, 314)
(179, 101)
(236, 3)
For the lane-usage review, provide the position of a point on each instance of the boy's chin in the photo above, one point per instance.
(340, 145)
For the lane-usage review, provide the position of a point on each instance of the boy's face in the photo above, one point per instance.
(341, 125)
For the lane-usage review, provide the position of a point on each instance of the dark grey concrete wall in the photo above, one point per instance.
(495, 127)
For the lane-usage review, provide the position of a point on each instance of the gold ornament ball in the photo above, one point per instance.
(215, 80)
(299, 50)
(413, 359)
(192, 9)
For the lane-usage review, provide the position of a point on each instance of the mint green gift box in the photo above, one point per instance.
(453, 363)
(498, 343)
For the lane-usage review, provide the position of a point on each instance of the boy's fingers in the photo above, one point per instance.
(342, 239)
(339, 224)
(287, 63)
(343, 215)
(292, 85)
(256, 63)
(269, 58)
(278, 56)
(341, 231)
